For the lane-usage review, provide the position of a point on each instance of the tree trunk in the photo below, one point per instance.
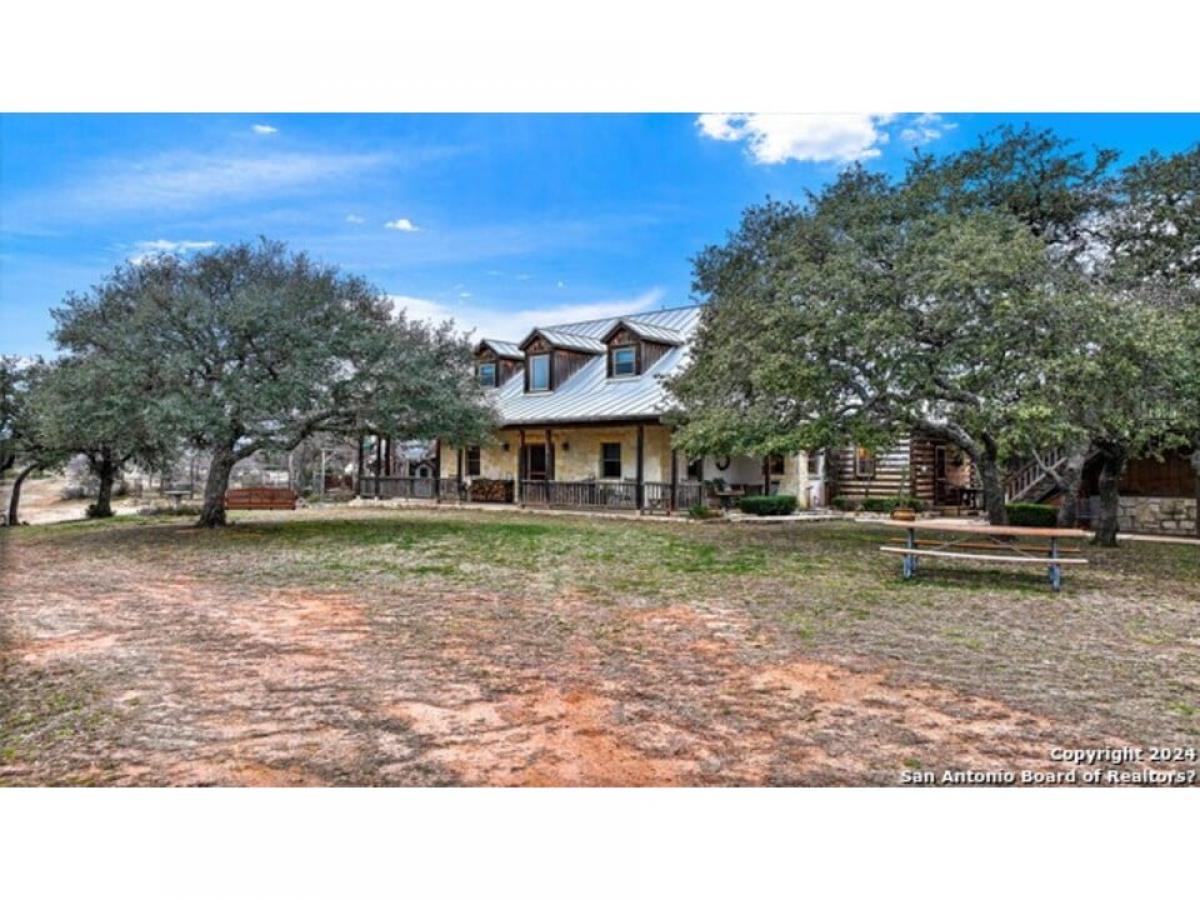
(14, 499)
(1111, 469)
(106, 471)
(993, 485)
(1068, 483)
(219, 468)
(1196, 469)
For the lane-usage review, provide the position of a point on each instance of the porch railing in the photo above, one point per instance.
(397, 487)
(581, 494)
(620, 495)
(656, 495)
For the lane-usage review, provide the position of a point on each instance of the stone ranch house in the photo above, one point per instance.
(581, 408)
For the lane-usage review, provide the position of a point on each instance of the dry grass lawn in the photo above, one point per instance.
(423, 647)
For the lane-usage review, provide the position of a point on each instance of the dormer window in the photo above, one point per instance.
(487, 374)
(539, 372)
(624, 361)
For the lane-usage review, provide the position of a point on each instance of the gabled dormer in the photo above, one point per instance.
(552, 356)
(633, 347)
(496, 361)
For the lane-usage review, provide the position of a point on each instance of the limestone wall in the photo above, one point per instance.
(577, 458)
(1158, 515)
(576, 453)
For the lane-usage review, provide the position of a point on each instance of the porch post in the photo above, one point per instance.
(766, 476)
(437, 471)
(387, 456)
(378, 461)
(358, 485)
(549, 456)
(521, 470)
(674, 480)
(641, 467)
(458, 479)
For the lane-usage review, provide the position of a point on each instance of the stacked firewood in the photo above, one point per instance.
(491, 490)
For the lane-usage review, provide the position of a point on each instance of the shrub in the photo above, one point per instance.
(887, 504)
(771, 505)
(842, 503)
(700, 511)
(1032, 515)
(184, 509)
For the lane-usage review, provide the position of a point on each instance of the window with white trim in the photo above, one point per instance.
(539, 372)
(624, 361)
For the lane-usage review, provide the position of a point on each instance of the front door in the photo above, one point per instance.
(535, 467)
(941, 492)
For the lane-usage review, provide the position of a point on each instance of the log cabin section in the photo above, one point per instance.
(922, 467)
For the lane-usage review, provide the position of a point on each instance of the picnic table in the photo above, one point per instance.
(998, 541)
(177, 496)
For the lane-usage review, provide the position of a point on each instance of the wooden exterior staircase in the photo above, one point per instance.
(1028, 483)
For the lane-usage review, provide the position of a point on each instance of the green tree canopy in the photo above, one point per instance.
(873, 310)
(255, 348)
(96, 406)
(999, 298)
(22, 442)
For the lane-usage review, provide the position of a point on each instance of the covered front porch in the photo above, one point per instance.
(616, 466)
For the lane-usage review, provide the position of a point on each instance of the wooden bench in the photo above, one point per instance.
(1002, 542)
(260, 498)
(967, 545)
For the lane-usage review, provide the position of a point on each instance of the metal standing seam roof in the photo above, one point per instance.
(589, 394)
(504, 349)
(558, 337)
(648, 332)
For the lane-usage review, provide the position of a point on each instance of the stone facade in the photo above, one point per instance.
(577, 458)
(1158, 515)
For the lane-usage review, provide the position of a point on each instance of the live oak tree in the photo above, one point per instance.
(98, 407)
(1129, 387)
(875, 309)
(1152, 240)
(22, 444)
(994, 298)
(255, 348)
(1135, 352)
(10, 399)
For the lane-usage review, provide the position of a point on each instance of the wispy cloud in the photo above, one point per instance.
(401, 225)
(505, 324)
(146, 249)
(355, 220)
(265, 129)
(183, 181)
(925, 128)
(778, 138)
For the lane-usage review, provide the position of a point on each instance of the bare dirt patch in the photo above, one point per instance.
(156, 655)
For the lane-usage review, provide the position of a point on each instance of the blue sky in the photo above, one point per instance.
(501, 221)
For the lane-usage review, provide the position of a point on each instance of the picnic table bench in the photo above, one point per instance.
(998, 540)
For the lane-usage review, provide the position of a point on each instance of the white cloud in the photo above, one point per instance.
(465, 295)
(401, 225)
(776, 138)
(559, 284)
(147, 249)
(514, 324)
(925, 128)
(265, 129)
(178, 181)
(355, 220)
